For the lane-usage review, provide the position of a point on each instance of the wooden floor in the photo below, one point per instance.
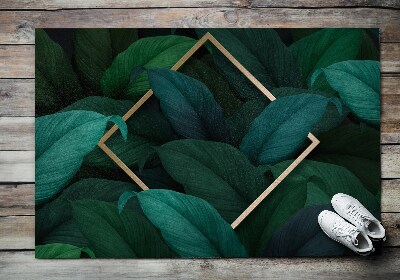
(18, 18)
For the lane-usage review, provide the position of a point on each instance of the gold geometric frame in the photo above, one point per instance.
(253, 80)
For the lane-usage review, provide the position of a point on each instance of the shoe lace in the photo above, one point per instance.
(346, 231)
(363, 219)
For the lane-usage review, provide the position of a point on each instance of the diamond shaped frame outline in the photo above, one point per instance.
(254, 81)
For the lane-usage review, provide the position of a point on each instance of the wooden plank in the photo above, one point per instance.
(17, 27)
(17, 166)
(125, 4)
(390, 161)
(22, 265)
(18, 61)
(17, 200)
(390, 198)
(104, 4)
(324, 3)
(17, 133)
(390, 58)
(17, 97)
(17, 232)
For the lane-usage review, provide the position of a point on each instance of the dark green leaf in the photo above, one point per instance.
(358, 83)
(204, 71)
(189, 105)
(95, 50)
(152, 52)
(310, 183)
(356, 148)
(190, 226)
(53, 220)
(328, 178)
(368, 50)
(261, 52)
(216, 172)
(114, 235)
(61, 251)
(332, 116)
(142, 137)
(282, 128)
(56, 84)
(302, 236)
(326, 47)
(240, 122)
(62, 141)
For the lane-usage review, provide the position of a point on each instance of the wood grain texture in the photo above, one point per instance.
(18, 61)
(18, 133)
(17, 100)
(104, 4)
(23, 228)
(17, 199)
(384, 266)
(17, 27)
(17, 97)
(17, 232)
(17, 166)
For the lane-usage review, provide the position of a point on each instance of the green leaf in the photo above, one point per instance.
(54, 219)
(358, 84)
(215, 172)
(329, 178)
(190, 226)
(326, 47)
(310, 183)
(331, 118)
(282, 128)
(302, 236)
(300, 33)
(356, 148)
(62, 141)
(261, 52)
(56, 83)
(68, 232)
(271, 214)
(142, 137)
(95, 50)
(151, 52)
(189, 105)
(114, 235)
(61, 251)
(204, 71)
(240, 122)
(368, 50)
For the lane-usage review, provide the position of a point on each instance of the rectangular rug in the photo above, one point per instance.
(202, 143)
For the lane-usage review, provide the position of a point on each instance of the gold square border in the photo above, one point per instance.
(253, 80)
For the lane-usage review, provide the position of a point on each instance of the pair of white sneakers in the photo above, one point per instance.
(357, 234)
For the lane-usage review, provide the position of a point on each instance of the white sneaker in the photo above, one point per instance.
(352, 210)
(345, 233)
